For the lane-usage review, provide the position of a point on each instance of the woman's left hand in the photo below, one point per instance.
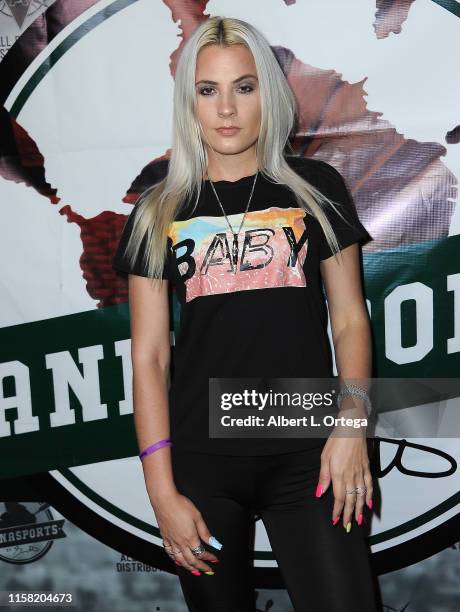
(345, 461)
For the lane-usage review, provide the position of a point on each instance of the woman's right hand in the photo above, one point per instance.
(182, 527)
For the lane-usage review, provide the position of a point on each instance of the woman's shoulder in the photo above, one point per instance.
(159, 170)
(320, 174)
(154, 172)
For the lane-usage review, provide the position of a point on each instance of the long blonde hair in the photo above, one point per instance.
(159, 204)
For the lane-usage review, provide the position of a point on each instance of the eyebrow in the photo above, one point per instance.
(241, 78)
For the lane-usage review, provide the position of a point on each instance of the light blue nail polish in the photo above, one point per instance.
(214, 542)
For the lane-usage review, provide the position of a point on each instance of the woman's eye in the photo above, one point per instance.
(248, 88)
(203, 90)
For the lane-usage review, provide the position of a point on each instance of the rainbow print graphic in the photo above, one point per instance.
(270, 251)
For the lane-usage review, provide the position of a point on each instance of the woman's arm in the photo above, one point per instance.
(150, 355)
(181, 524)
(350, 325)
(344, 460)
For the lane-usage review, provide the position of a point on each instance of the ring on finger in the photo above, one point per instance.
(198, 550)
(358, 490)
(167, 547)
(174, 552)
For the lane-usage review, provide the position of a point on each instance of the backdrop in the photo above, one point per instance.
(86, 98)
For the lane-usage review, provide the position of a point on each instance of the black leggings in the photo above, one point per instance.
(323, 567)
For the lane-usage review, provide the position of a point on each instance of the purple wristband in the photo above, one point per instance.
(151, 449)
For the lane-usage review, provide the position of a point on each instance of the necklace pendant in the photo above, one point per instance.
(234, 255)
(235, 252)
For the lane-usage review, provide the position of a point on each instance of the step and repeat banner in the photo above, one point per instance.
(86, 98)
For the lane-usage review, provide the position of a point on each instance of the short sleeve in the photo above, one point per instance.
(120, 261)
(336, 189)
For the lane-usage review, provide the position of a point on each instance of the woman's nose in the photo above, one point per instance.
(225, 105)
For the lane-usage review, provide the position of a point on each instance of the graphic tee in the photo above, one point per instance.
(267, 320)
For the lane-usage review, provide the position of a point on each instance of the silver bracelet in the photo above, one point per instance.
(357, 392)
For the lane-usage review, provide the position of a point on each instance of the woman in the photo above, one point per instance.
(246, 234)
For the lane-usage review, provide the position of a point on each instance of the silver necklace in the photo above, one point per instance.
(235, 235)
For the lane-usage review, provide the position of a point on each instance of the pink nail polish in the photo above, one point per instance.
(214, 560)
(177, 563)
(335, 521)
(319, 490)
(196, 572)
(369, 503)
(360, 519)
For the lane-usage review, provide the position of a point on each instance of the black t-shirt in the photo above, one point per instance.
(267, 320)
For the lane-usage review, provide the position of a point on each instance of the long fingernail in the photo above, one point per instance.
(214, 542)
(214, 560)
(369, 503)
(336, 520)
(319, 490)
(177, 563)
(209, 573)
(196, 572)
(348, 527)
(360, 519)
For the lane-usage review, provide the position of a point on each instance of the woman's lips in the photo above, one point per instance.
(228, 131)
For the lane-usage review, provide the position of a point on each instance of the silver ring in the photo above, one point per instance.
(198, 550)
(357, 490)
(170, 552)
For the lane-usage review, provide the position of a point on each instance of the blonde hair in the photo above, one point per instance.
(159, 204)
